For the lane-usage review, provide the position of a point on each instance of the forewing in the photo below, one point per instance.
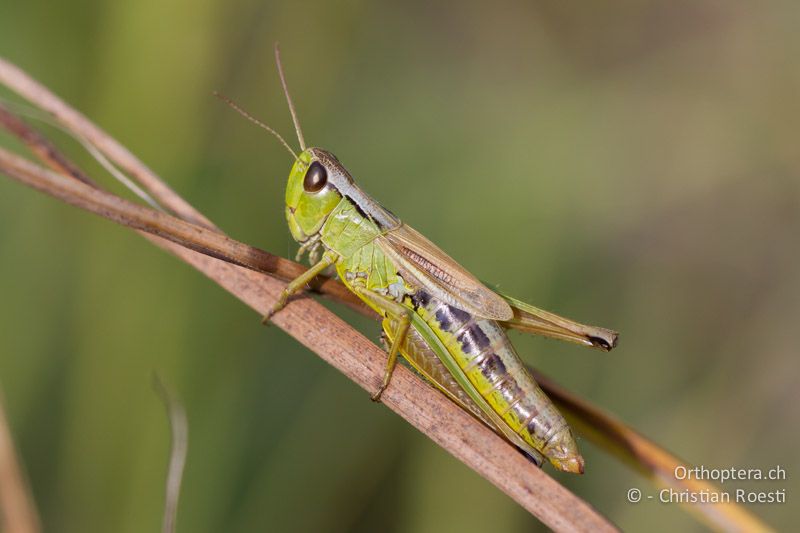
(437, 272)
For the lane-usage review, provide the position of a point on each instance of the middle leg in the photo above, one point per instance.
(403, 316)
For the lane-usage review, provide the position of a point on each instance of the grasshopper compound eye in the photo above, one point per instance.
(316, 177)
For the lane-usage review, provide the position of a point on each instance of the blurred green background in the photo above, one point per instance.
(629, 164)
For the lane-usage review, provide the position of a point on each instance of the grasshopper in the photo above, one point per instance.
(441, 319)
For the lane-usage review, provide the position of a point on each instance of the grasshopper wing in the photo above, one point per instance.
(531, 319)
(422, 261)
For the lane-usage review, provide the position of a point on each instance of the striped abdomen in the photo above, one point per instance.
(487, 358)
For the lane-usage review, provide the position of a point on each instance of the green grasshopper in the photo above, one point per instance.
(446, 324)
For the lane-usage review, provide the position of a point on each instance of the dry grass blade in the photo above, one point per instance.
(16, 505)
(19, 81)
(40, 146)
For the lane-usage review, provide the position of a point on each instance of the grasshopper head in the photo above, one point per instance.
(318, 182)
(310, 194)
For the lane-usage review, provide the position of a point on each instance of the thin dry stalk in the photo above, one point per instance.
(179, 446)
(16, 504)
(18, 80)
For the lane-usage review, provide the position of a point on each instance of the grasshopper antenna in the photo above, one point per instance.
(254, 120)
(289, 98)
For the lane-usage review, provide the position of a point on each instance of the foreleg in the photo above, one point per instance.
(299, 283)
